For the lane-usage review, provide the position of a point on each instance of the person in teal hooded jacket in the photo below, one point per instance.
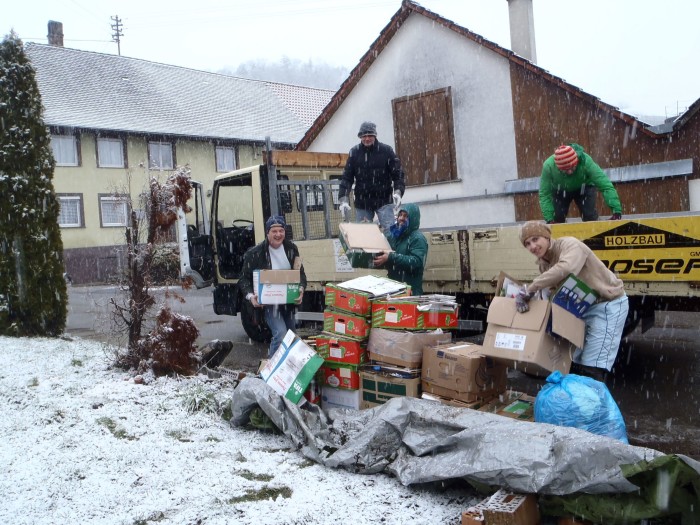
(410, 247)
(572, 175)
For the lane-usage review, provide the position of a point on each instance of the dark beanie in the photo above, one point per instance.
(367, 128)
(534, 229)
(274, 220)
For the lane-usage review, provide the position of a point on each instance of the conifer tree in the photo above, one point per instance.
(33, 292)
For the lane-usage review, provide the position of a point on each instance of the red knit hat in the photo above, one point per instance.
(565, 158)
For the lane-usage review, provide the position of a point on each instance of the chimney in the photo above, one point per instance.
(522, 29)
(55, 35)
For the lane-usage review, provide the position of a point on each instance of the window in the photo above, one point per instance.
(71, 213)
(114, 210)
(65, 150)
(425, 137)
(160, 156)
(225, 159)
(110, 153)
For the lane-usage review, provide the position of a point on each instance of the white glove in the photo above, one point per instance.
(397, 199)
(344, 208)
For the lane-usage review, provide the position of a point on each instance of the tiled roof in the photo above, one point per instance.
(98, 91)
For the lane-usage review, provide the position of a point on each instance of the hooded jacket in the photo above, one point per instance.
(587, 173)
(376, 173)
(407, 261)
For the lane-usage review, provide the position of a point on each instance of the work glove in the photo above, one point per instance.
(522, 300)
(344, 208)
(397, 199)
(616, 217)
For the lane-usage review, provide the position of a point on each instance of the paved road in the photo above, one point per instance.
(655, 381)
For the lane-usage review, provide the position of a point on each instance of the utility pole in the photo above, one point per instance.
(117, 34)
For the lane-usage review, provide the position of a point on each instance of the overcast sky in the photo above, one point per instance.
(638, 55)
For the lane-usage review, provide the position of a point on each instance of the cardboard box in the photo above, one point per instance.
(356, 295)
(341, 375)
(575, 296)
(276, 286)
(507, 286)
(340, 398)
(378, 389)
(339, 349)
(361, 242)
(474, 405)
(413, 315)
(346, 324)
(401, 347)
(511, 404)
(459, 372)
(292, 367)
(523, 342)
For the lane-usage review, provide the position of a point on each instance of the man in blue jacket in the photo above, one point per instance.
(376, 172)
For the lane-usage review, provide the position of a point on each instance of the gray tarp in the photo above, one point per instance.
(421, 441)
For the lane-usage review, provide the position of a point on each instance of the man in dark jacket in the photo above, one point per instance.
(274, 253)
(407, 261)
(376, 172)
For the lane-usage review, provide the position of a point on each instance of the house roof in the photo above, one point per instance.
(89, 90)
(407, 8)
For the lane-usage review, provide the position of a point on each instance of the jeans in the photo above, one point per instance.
(279, 319)
(604, 324)
(585, 202)
(385, 214)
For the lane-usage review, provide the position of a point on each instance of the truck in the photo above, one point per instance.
(657, 257)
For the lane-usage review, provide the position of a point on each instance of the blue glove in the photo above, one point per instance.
(522, 300)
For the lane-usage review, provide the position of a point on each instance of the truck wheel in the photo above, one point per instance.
(254, 324)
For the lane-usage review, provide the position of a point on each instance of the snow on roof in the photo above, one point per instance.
(89, 90)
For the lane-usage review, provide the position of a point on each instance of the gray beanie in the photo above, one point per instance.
(367, 128)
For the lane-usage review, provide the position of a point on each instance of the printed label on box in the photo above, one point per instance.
(339, 327)
(391, 317)
(510, 341)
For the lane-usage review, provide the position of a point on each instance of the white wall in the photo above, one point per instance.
(423, 56)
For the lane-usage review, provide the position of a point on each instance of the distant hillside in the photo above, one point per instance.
(292, 71)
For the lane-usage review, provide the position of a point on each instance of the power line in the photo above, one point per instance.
(117, 34)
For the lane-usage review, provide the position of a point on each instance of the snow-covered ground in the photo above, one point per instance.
(81, 442)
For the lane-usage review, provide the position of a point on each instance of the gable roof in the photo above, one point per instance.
(407, 8)
(97, 91)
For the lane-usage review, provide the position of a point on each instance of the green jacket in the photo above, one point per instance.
(587, 173)
(407, 261)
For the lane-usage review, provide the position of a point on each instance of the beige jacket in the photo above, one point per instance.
(569, 255)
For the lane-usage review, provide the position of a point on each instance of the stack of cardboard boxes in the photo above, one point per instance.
(346, 329)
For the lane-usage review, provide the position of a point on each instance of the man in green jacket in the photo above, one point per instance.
(406, 262)
(572, 175)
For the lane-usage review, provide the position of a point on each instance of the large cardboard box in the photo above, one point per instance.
(292, 367)
(276, 286)
(340, 398)
(377, 389)
(361, 242)
(356, 295)
(414, 314)
(523, 341)
(339, 349)
(401, 347)
(346, 324)
(341, 375)
(458, 371)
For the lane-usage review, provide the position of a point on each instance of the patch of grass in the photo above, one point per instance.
(213, 438)
(156, 516)
(198, 399)
(179, 435)
(262, 494)
(34, 382)
(306, 463)
(117, 431)
(251, 476)
(76, 362)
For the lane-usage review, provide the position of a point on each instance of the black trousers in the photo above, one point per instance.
(599, 374)
(585, 201)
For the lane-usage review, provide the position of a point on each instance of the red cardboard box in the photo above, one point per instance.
(413, 315)
(340, 349)
(346, 324)
(341, 375)
(342, 296)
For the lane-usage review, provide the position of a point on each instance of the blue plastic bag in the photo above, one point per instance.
(580, 402)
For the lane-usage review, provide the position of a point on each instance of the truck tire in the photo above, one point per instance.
(254, 324)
